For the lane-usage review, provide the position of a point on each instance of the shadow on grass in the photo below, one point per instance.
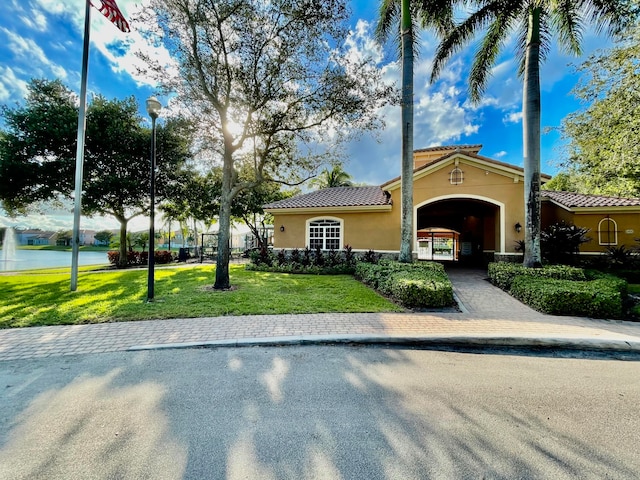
(120, 295)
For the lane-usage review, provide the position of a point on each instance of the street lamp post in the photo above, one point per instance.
(153, 109)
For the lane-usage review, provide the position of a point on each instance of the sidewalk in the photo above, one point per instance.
(489, 317)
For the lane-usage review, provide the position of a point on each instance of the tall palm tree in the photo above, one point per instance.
(336, 177)
(404, 13)
(539, 23)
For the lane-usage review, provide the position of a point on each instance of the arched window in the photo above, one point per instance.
(456, 176)
(325, 233)
(607, 232)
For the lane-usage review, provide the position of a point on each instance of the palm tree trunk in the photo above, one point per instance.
(531, 142)
(406, 228)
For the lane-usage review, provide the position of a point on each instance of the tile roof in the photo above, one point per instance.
(476, 146)
(335, 197)
(578, 200)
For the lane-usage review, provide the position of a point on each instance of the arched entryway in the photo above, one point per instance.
(466, 228)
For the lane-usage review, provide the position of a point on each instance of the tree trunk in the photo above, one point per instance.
(406, 228)
(224, 228)
(123, 260)
(531, 142)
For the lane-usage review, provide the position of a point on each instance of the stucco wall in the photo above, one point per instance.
(483, 182)
(379, 231)
(628, 224)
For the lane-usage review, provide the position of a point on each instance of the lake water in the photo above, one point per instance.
(34, 259)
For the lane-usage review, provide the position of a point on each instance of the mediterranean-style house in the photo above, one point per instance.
(466, 207)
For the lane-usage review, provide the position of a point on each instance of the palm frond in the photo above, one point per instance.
(611, 16)
(486, 55)
(388, 21)
(475, 23)
(566, 20)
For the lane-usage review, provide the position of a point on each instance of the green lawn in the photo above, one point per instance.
(45, 299)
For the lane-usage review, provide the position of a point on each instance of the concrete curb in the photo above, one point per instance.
(611, 345)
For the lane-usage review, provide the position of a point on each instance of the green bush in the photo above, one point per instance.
(502, 274)
(414, 285)
(414, 289)
(601, 298)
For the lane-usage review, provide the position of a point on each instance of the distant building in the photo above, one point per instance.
(35, 237)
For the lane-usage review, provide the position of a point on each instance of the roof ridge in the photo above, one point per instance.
(449, 147)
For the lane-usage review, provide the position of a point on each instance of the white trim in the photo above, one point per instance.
(500, 205)
(615, 232)
(324, 217)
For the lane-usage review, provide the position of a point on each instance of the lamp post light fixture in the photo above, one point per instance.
(153, 109)
(517, 227)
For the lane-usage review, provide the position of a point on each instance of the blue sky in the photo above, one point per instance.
(43, 38)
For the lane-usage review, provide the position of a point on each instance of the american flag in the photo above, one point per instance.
(110, 10)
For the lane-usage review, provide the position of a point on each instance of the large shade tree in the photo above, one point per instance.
(265, 78)
(400, 18)
(37, 154)
(539, 24)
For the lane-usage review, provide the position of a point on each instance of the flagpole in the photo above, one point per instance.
(82, 121)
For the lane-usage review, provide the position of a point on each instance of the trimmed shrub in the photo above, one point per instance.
(140, 258)
(162, 256)
(599, 298)
(414, 285)
(370, 273)
(502, 274)
(414, 289)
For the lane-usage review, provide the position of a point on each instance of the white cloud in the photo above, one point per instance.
(10, 85)
(118, 48)
(35, 20)
(29, 51)
(499, 154)
(512, 117)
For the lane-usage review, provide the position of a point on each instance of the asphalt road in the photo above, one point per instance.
(318, 412)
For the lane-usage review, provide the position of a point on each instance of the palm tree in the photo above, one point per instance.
(336, 177)
(403, 13)
(539, 24)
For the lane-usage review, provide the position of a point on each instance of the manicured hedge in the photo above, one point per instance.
(601, 298)
(413, 285)
(140, 258)
(502, 274)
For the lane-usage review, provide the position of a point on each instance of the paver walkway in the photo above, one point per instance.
(488, 313)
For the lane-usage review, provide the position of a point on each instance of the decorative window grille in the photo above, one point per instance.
(607, 232)
(324, 234)
(456, 177)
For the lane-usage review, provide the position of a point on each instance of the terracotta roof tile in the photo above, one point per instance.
(577, 200)
(476, 146)
(335, 197)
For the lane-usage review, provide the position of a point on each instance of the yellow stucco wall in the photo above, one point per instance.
(627, 225)
(485, 182)
(628, 229)
(379, 231)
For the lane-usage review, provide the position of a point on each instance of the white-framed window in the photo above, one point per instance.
(325, 233)
(456, 177)
(607, 231)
